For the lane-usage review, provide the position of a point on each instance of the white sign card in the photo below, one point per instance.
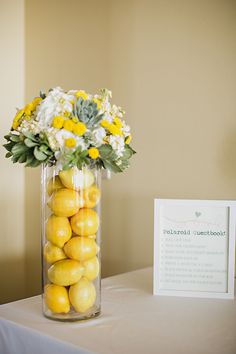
(194, 248)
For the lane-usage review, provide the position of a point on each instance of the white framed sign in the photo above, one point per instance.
(194, 248)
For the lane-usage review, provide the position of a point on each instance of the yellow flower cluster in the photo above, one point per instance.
(82, 94)
(113, 128)
(26, 112)
(70, 142)
(93, 153)
(71, 125)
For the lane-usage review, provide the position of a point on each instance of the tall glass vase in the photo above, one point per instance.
(71, 243)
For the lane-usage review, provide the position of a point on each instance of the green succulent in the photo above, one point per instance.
(87, 112)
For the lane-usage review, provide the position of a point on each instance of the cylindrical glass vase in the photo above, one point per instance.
(71, 243)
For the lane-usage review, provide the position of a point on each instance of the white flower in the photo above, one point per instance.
(56, 103)
(117, 143)
(125, 129)
(30, 126)
(97, 136)
(117, 111)
(63, 134)
(106, 107)
(51, 135)
(107, 117)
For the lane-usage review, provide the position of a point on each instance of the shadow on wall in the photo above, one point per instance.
(227, 160)
(32, 231)
(13, 289)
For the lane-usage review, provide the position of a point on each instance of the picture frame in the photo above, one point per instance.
(194, 248)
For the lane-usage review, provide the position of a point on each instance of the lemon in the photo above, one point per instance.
(65, 272)
(81, 248)
(90, 196)
(82, 295)
(85, 222)
(91, 268)
(53, 253)
(56, 298)
(92, 236)
(58, 230)
(76, 179)
(64, 202)
(54, 184)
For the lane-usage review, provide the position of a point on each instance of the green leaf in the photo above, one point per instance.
(7, 137)
(8, 154)
(43, 148)
(30, 136)
(39, 155)
(84, 154)
(105, 151)
(42, 95)
(128, 152)
(125, 164)
(34, 163)
(29, 159)
(28, 142)
(22, 158)
(14, 159)
(19, 149)
(9, 146)
(112, 166)
(15, 138)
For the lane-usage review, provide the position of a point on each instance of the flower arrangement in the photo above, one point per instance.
(68, 129)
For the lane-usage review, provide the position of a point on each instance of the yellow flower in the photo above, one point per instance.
(36, 101)
(118, 122)
(28, 109)
(16, 120)
(82, 94)
(70, 142)
(79, 128)
(27, 118)
(128, 139)
(93, 153)
(98, 102)
(57, 122)
(75, 119)
(68, 125)
(114, 130)
(105, 124)
(67, 114)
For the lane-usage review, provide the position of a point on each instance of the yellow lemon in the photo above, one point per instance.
(64, 202)
(85, 222)
(53, 253)
(81, 248)
(58, 230)
(65, 272)
(90, 196)
(54, 184)
(56, 298)
(82, 295)
(92, 236)
(91, 268)
(76, 179)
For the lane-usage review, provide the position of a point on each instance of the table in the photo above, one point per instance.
(133, 321)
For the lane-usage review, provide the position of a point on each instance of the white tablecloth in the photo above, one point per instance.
(133, 321)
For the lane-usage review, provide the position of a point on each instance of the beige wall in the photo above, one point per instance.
(12, 260)
(173, 69)
(171, 64)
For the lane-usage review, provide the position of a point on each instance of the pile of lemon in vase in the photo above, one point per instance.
(71, 238)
